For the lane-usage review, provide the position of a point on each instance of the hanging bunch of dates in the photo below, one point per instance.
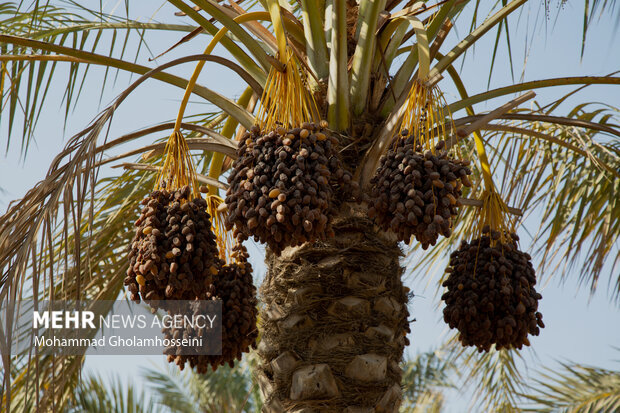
(416, 189)
(175, 266)
(490, 296)
(285, 185)
(288, 177)
(234, 288)
(173, 255)
(416, 193)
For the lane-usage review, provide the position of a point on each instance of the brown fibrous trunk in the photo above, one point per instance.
(334, 322)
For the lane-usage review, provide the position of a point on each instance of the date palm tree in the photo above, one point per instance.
(333, 317)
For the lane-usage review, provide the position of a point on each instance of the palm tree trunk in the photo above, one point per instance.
(334, 322)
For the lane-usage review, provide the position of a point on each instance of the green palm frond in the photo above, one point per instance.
(226, 390)
(103, 270)
(494, 377)
(229, 389)
(428, 402)
(28, 81)
(57, 249)
(575, 389)
(592, 12)
(94, 394)
(424, 377)
(172, 389)
(578, 224)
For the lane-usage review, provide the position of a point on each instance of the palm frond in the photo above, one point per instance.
(551, 166)
(94, 394)
(30, 80)
(104, 259)
(448, 11)
(362, 58)
(102, 278)
(592, 12)
(423, 379)
(338, 84)
(427, 402)
(468, 101)
(575, 193)
(575, 389)
(69, 233)
(172, 389)
(316, 46)
(259, 72)
(229, 389)
(494, 376)
(217, 99)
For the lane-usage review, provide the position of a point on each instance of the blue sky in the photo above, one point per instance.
(578, 327)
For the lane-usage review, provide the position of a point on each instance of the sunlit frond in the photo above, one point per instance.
(494, 377)
(94, 394)
(424, 377)
(28, 81)
(575, 389)
(593, 11)
(227, 390)
(572, 176)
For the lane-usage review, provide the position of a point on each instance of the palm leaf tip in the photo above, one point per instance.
(575, 388)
